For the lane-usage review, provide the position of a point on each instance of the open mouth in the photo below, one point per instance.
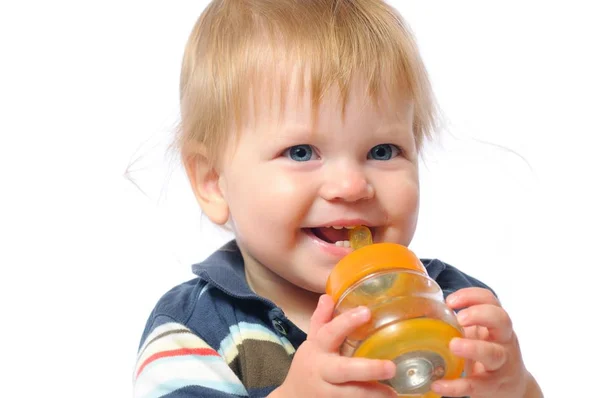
(338, 236)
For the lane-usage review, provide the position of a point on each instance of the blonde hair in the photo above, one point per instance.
(235, 43)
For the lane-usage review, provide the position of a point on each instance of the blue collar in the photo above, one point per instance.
(224, 269)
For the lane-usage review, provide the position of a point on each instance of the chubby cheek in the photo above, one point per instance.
(267, 209)
(401, 203)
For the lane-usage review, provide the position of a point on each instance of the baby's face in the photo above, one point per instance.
(291, 186)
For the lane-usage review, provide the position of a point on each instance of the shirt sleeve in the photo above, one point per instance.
(174, 362)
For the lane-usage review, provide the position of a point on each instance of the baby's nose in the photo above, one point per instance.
(348, 185)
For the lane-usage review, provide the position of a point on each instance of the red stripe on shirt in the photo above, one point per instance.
(179, 352)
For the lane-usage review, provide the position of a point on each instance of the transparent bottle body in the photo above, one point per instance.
(396, 298)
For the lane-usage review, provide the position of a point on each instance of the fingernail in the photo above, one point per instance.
(321, 299)
(390, 369)
(462, 317)
(456, 345)
(438, 387)
(362, 312)
(451, 299)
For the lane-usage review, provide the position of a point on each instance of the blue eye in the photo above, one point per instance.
(383, 152)
(299, 153)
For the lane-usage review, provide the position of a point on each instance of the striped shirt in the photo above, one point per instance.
(212, 337)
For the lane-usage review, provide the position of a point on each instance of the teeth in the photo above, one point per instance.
(343, 243)
(338, 227)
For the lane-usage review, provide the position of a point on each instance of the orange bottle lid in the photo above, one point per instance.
(368, 260)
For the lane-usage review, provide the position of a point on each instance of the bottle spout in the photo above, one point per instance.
(360, 237)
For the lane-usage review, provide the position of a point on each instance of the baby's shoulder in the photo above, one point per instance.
(195, 306)
(450, 278)
(179, 302)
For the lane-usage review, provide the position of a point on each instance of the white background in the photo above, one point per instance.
(88, 88)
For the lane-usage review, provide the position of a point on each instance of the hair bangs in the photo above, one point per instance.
(247, 49)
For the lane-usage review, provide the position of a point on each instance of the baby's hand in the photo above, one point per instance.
(494, 366)
(318, 370)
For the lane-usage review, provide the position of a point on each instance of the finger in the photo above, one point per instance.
(458, 387)
(494, 318)
(332, 335)
(367, 390)
(321, 316)
(339, 370)
(471, 296)
(476, 332)
(491, 355)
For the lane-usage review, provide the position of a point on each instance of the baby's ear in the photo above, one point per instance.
(205, 180)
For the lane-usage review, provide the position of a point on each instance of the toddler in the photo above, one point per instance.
(301, 119)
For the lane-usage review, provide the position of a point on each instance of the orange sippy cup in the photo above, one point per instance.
(410, 323)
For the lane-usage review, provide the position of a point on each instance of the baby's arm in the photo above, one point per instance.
(175, 362)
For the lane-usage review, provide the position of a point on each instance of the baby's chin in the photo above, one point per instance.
(310, 286)
(316, 289)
